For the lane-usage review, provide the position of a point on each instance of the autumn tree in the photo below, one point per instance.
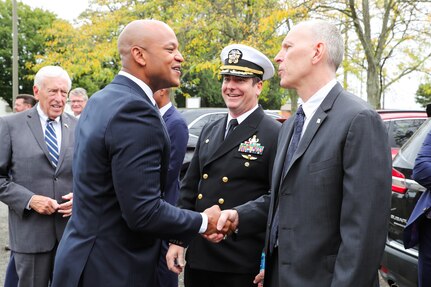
(390, 40)
(423, 94)
(88, 49)
(31, 45)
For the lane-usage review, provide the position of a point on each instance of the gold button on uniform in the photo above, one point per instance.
(247, 164)
(205, 176)
(200, 196)
(225, 179)
(220, 200)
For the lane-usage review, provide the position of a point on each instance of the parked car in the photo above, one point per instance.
(196, 119)
(399, 265)
(401, 125)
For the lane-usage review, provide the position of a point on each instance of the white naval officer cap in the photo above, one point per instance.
(244, 61)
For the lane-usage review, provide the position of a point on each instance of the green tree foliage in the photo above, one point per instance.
(31, 45)
(88, 50)
(423, 94)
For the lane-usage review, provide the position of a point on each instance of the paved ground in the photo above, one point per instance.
(4, 255)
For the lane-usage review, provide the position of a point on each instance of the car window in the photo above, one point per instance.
(197, 125)
(402, 130)
(408, 153)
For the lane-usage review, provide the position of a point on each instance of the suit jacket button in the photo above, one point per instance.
(200, 196)
(205, 176)
(220, 200)
(225, 179)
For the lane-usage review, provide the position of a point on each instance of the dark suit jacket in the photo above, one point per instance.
(120, 166)
(25, 170)
(422, 174)
(221, 174)
(334, 199)
(178, 135)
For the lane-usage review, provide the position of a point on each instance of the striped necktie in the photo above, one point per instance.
(51, 142)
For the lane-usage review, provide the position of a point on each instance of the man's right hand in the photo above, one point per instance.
(226, 223)
(43, 204)
(175, 258)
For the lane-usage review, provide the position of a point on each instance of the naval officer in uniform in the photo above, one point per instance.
(232, 164)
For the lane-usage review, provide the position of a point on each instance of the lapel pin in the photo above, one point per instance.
(66, 126)
(318, 121)
(207, 140)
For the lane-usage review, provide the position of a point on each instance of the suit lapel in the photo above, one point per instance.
(33, 122)
(65, 137)
(314, 124)
(242, 132)
(168, 114)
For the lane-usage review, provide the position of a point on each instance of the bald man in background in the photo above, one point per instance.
(179, 136)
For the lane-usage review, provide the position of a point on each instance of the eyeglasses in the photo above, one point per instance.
(76, 101)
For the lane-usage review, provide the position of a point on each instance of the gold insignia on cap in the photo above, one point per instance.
(234, 56)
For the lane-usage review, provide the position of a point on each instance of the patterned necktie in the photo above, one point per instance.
(298, 124)
(51, 142)
(232, 124)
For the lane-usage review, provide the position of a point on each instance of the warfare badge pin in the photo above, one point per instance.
(251, 146)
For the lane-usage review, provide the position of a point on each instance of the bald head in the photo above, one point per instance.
(139, 33)
(149, 51)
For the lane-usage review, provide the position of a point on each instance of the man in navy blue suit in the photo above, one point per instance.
(178, 135)
(418, 228)
(120, 167)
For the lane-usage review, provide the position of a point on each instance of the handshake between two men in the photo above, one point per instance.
(221, 223)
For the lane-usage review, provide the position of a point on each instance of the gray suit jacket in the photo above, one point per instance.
(334, 199)
(25, 170)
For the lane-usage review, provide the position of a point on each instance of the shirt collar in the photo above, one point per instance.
(165, 108)
(242, 117)
(44, 117)
(141, 84)
(314, 101)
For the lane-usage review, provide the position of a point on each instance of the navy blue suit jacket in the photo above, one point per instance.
(120, 166)
(422, 174)
(179, 135)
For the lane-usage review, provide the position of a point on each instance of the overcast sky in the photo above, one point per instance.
(65, 9)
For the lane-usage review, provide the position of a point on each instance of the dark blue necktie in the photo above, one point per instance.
(51, 142)
(298, 124)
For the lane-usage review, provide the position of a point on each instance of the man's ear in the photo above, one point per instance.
(138, 55)
(36, 92)
(318, 52)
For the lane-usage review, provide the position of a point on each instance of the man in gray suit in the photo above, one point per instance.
(36, 177)
(326, 219)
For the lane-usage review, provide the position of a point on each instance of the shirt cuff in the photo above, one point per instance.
(204, 225)
(28, 204)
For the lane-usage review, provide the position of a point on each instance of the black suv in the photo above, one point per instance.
(399, 265)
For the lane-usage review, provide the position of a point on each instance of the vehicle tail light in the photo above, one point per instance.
(398, 182)
(384, 269)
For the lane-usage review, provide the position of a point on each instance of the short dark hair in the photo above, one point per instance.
(28, 99)
(256, 80)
